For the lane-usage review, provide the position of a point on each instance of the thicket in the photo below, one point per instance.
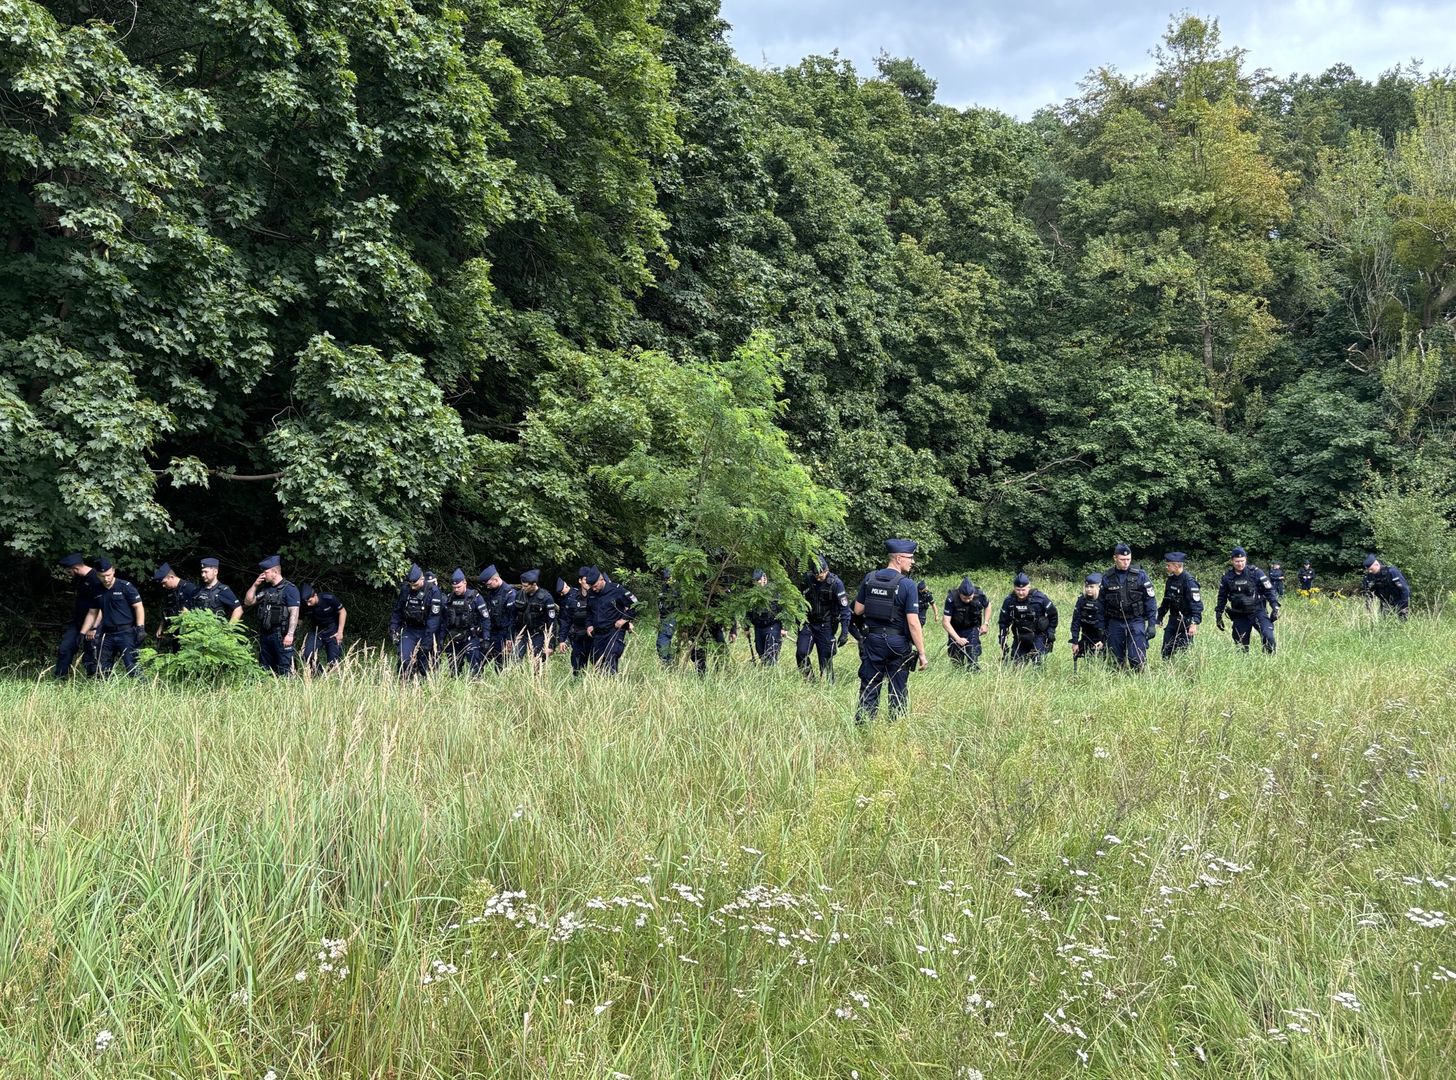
(527, 282)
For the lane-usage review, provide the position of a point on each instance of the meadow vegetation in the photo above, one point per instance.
(1233, 866)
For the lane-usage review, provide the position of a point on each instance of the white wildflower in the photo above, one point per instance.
(1347, 1000)
(104, 1039)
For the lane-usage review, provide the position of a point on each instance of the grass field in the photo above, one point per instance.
(1233, 866)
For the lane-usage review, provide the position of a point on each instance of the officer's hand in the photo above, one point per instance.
(1274, 615)
(1152, 632)
(1192, 629)
(394, 636)
(619, 624)
(589, 630)
(1218, 622)
(287, 640)
(924, 662)
(1076, 648)
(843, 637)
(339, 637)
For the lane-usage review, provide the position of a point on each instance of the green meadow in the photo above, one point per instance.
(1232, 866)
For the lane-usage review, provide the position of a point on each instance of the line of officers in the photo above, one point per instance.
(1116, 616)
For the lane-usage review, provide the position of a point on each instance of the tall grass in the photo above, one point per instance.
(1231, 866)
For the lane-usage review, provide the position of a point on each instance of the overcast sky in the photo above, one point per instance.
(1020, 56)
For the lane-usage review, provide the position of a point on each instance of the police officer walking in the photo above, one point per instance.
(117, 621)
(767, 619)
(1129, 609)
(535, 619)
(1388, 585)
(966, 618)
(212, 595)
(1276, 578)
(501, 599)
(1086, 629)
(177, 597)
(575, 617)
(1030, 618)
(414, 624)
(87, 584)
(277, 601)
(828, 615)
(1306, 576)
(326, 616)
(612, 608)
(892, 640)
(1244, 590)
(667, 604)
(926, 599)
(465, 624)
(1182, 605)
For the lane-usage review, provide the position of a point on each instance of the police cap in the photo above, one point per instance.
(760, 574)
(530, 577)
(305, 592)
(1122, 549)
(1020, 580)
(102, 564)
(209, 561)
(561, 585)
(1093, 579)
(488, 573)
(1370, 560)
(1238, 553)
(1175, 556)
(270, 562)
(592, 575)
(415, 573)
(583, 571)
(75, 558)
(162, 571)
(901, 547)
(968, 587)
(458, 574)
(820, 564)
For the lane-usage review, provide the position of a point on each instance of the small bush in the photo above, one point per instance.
(1410, 519)
(209, 650)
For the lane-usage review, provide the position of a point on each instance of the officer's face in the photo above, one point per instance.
(902, 562)
(1239, 562)
(966, 597)
(821, 575)
(313, 598)
(1122, 562)
(599, 584)
(208, 575)
(529, 587)
(80, 570)
(417, 585)
(171, 581)
(274, 575)
(1022, 591)
(1173, 568)
(760, 582)
(1375, 567)
(494, 582)
(108, 578)
(1090, 590)
(458, 587)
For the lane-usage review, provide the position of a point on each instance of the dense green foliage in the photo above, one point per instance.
(450, 279)
(1233, 866)
(210, 652)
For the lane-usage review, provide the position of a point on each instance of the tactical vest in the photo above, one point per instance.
(499, 602)
(823, 599)
(881, 604)
(1178, 595)
(272, 611)
(965, 614)
(210, 599)
(460, 611)
(1125, 597)
(1087, 619)
(1243, 593)
(416, 607)
(666, 601)
(575, 606)
(1029, 618)
(174, 601)
(532, 612)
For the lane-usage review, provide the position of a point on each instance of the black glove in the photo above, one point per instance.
(843, 637)
(1218, 621)
(1152, 632)
(1274, 615)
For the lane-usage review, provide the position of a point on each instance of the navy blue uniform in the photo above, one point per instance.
(216, 598)
(87, 589)
(886, 649)
(667, 602)
(273, 603)
(323, 618)
(606, 606)
(1128, 607)
(967, 616)
(465, 624)
(767, 620)
(1306, 577)
(826, 625)
(1182, 606)
(415, 621)
(499, 646)
(1244, 594)
(1086, 626)
(535, 619)
(1276, 578)
(174, 603)
(575, 618)
(1030, 624)
(1390, 588)
(117, 635)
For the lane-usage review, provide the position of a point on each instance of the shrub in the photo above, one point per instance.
(209, 650)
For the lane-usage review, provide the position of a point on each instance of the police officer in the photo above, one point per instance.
(966, 618)
(465, 625)
(1030, 618)
(1244, 590)
(1388, 585)
(501, 599)
(1276, 578)
(414, 624)
(1128, 606)
(326, 616)
(712, 636)
(177, 597)
(1182, 604)
(828, 615)
(535, 620)
(1306, 576)
(117, 621)
(667, 604)
(1086, 629)
(575, 616)
(767, 619)
(892, 639)
(926, 599)
(612, 608)
(87, 584)
(212, 595)
(277, 601)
